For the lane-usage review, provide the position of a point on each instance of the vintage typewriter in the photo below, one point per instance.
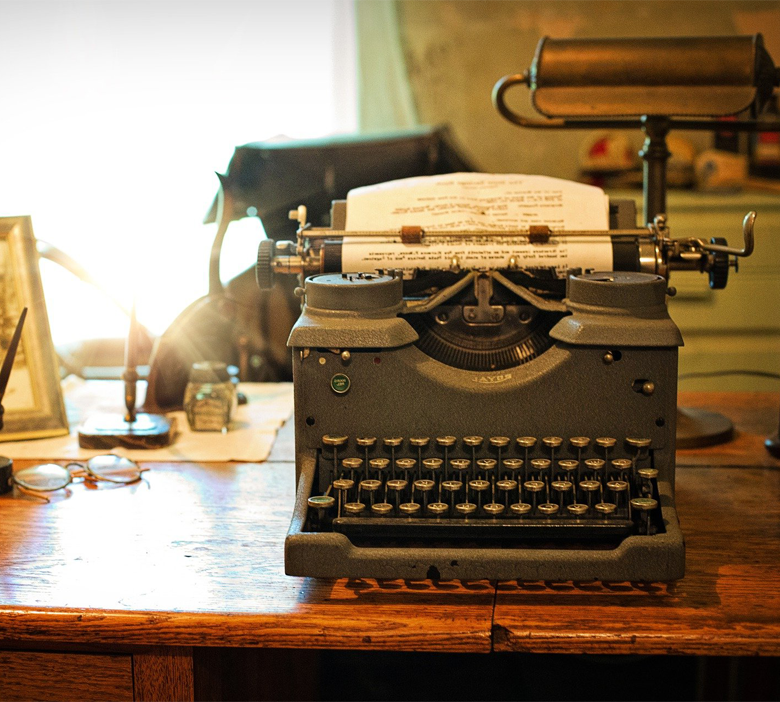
(490, 421)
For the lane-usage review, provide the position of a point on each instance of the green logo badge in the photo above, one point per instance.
(340, 383)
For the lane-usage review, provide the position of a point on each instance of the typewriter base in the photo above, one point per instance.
(660, 557)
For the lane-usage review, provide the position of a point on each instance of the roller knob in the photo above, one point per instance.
(719, 265)
(264, 272)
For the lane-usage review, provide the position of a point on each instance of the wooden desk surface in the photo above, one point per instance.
(193, 556)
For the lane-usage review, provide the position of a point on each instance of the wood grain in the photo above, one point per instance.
(60, 676)
(193, 556)
(161, 674)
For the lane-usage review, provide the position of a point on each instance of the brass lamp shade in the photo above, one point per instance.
(677, 76)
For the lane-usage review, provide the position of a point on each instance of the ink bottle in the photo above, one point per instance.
(210, 397)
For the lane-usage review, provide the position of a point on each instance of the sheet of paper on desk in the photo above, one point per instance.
(251, 436)
(476, 201)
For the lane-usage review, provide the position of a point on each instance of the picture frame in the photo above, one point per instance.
(33, 401)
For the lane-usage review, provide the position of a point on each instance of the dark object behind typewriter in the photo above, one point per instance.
(248, 327)
(275, 178)
(683, 76)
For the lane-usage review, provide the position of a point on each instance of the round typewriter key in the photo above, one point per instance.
(548, 509)
(512, 465)
(366, 443)
(579, 442)
(397, 485)
(473, 441)
(639, 443)
(644, 505)
(493, 509)
(577, 509)
(343, 484)
(352, 465)
(432, 464)
(460, 465)
(486, 465)
(552, 441)
(606, 442)
(409, 509)
(648, 473)
(589, 487)
(621, 466)
(353, 509)
(499, 441)
(534, 487)
(419, 441)
(562, 487)
(605, 509)
(333, 440)
(406, 464)
(465, 508)
(321, 502)
(595, 466)
(424, 487)
(437, 509)
(479, 485)
(526, 442)
(381, 509)
(392, 441)
(452, 485)
(446, 441)
(568, 468)
(379, 465)
(539, 466)
(370, 487)
(506, 486)
(520, 508)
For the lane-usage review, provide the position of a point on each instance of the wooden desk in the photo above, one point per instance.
(193, 557)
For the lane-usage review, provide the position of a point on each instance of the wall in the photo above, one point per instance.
(456, 51)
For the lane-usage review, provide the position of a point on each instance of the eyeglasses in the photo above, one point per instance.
(49, 477)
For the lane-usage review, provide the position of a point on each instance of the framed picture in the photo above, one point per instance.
(33, 402)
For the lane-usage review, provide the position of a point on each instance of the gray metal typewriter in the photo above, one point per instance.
(502, 420)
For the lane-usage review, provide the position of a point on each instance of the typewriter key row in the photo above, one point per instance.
(480, 498)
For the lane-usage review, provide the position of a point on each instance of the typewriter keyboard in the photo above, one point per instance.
(486, 488)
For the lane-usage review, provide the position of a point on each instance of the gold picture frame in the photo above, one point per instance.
(33, 402)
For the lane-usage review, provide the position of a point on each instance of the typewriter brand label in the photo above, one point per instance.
(492, 379)
(340, 383)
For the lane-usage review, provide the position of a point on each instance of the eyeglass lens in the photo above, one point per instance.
(43, 478)
(115, 469)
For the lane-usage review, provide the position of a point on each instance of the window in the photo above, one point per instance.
(116, 116)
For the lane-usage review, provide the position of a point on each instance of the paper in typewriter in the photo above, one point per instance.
(476, 202)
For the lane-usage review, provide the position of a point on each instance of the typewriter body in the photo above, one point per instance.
(501, 419)
(487, 423)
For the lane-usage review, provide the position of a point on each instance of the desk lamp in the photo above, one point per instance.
(653, 84)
